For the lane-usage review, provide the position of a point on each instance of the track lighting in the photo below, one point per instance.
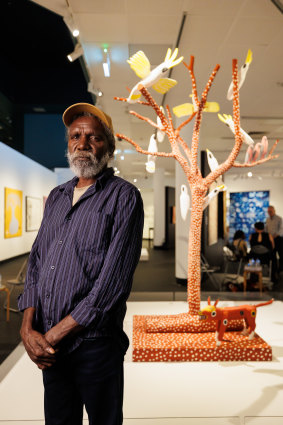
(70, 24)
(76, 53)
(91, 89)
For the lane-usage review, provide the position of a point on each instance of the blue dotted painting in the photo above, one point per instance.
(246, 208)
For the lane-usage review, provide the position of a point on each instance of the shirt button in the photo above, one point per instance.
(60, 242)
(47, 296)
(49, 322)
(52, 267)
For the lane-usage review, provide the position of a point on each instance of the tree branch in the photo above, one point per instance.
(124, 99)
(148, 120)
(253, 164)
(226, 165)
(190, 67)
(195, 139)
(140, 150)
(177, 131)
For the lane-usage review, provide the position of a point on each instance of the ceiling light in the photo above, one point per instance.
(91, 89)
(70, 24)
(135, 180)
(122, 157)
(250, 174)
(106, 62)
(76, 53)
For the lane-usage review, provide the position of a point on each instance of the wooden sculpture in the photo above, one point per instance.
(222, 316)
(199, 185)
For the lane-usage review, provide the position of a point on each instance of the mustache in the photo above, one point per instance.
(76, 155)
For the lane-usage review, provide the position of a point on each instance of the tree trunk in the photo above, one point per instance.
(194, 250)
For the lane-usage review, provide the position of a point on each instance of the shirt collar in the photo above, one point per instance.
(101, 180)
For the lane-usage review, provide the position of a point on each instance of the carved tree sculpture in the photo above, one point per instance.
(188, 160)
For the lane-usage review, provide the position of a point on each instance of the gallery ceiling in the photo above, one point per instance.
(214, 32)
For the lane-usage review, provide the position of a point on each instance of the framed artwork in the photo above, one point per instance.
(246, 208)
(13, 213)
(33, 213)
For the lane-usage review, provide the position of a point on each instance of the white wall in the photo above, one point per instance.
(274, 185)
(21, 173)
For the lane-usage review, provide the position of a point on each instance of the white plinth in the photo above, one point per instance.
(224, 393)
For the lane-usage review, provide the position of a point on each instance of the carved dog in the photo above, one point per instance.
(222, 315)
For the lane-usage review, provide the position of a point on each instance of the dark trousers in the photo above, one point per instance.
(92, 375)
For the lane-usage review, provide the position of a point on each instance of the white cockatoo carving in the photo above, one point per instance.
(242, 74)
(184, 202)
(189, 108)
(152, 147)
(227, 119)
(212, 195)
(141, 65)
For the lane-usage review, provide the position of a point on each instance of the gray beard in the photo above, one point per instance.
(88, 167)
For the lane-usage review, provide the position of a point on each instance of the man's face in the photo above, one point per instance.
(87, 147)
(271, 211)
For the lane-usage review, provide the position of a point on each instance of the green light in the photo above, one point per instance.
(105, 48)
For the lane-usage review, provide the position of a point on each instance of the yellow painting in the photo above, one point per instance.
(13, 213)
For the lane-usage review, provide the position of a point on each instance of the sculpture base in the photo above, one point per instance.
(201, 347)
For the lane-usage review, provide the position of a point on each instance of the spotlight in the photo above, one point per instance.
(70, 24)
(76, 53)
(91, 89)
(250, 174)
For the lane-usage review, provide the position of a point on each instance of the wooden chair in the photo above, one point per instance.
(18, 281)
(7, 304)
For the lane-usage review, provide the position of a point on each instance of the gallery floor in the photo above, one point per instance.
(220, 393)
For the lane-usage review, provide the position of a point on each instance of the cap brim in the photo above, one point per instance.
(78, 108)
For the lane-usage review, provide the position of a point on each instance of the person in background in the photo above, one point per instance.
(262, 247)
(240, 245)
(274, 226)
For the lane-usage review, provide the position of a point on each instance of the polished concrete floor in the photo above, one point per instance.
(154, 280)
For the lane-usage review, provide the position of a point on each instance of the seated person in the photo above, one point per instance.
(262, 247)
(262, 239)
(240, 245)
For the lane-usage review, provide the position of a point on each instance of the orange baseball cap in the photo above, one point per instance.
(77, 108)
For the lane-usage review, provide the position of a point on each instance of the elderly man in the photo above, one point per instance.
(274, 226)
(79, 277)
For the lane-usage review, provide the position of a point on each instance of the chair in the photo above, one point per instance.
(230, 261)
(263, 254)
(5, 289)
(18, 281)
(209, 270)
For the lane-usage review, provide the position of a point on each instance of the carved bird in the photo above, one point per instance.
(152, 147)
(212, 194)
(189, 108)
(242, 76)
(141, 65)
(184, 202)
(227, 119)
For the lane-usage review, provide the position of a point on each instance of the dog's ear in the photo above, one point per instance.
(208, 300)
(216, 302)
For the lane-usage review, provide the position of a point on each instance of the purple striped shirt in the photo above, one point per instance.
(83, 259)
